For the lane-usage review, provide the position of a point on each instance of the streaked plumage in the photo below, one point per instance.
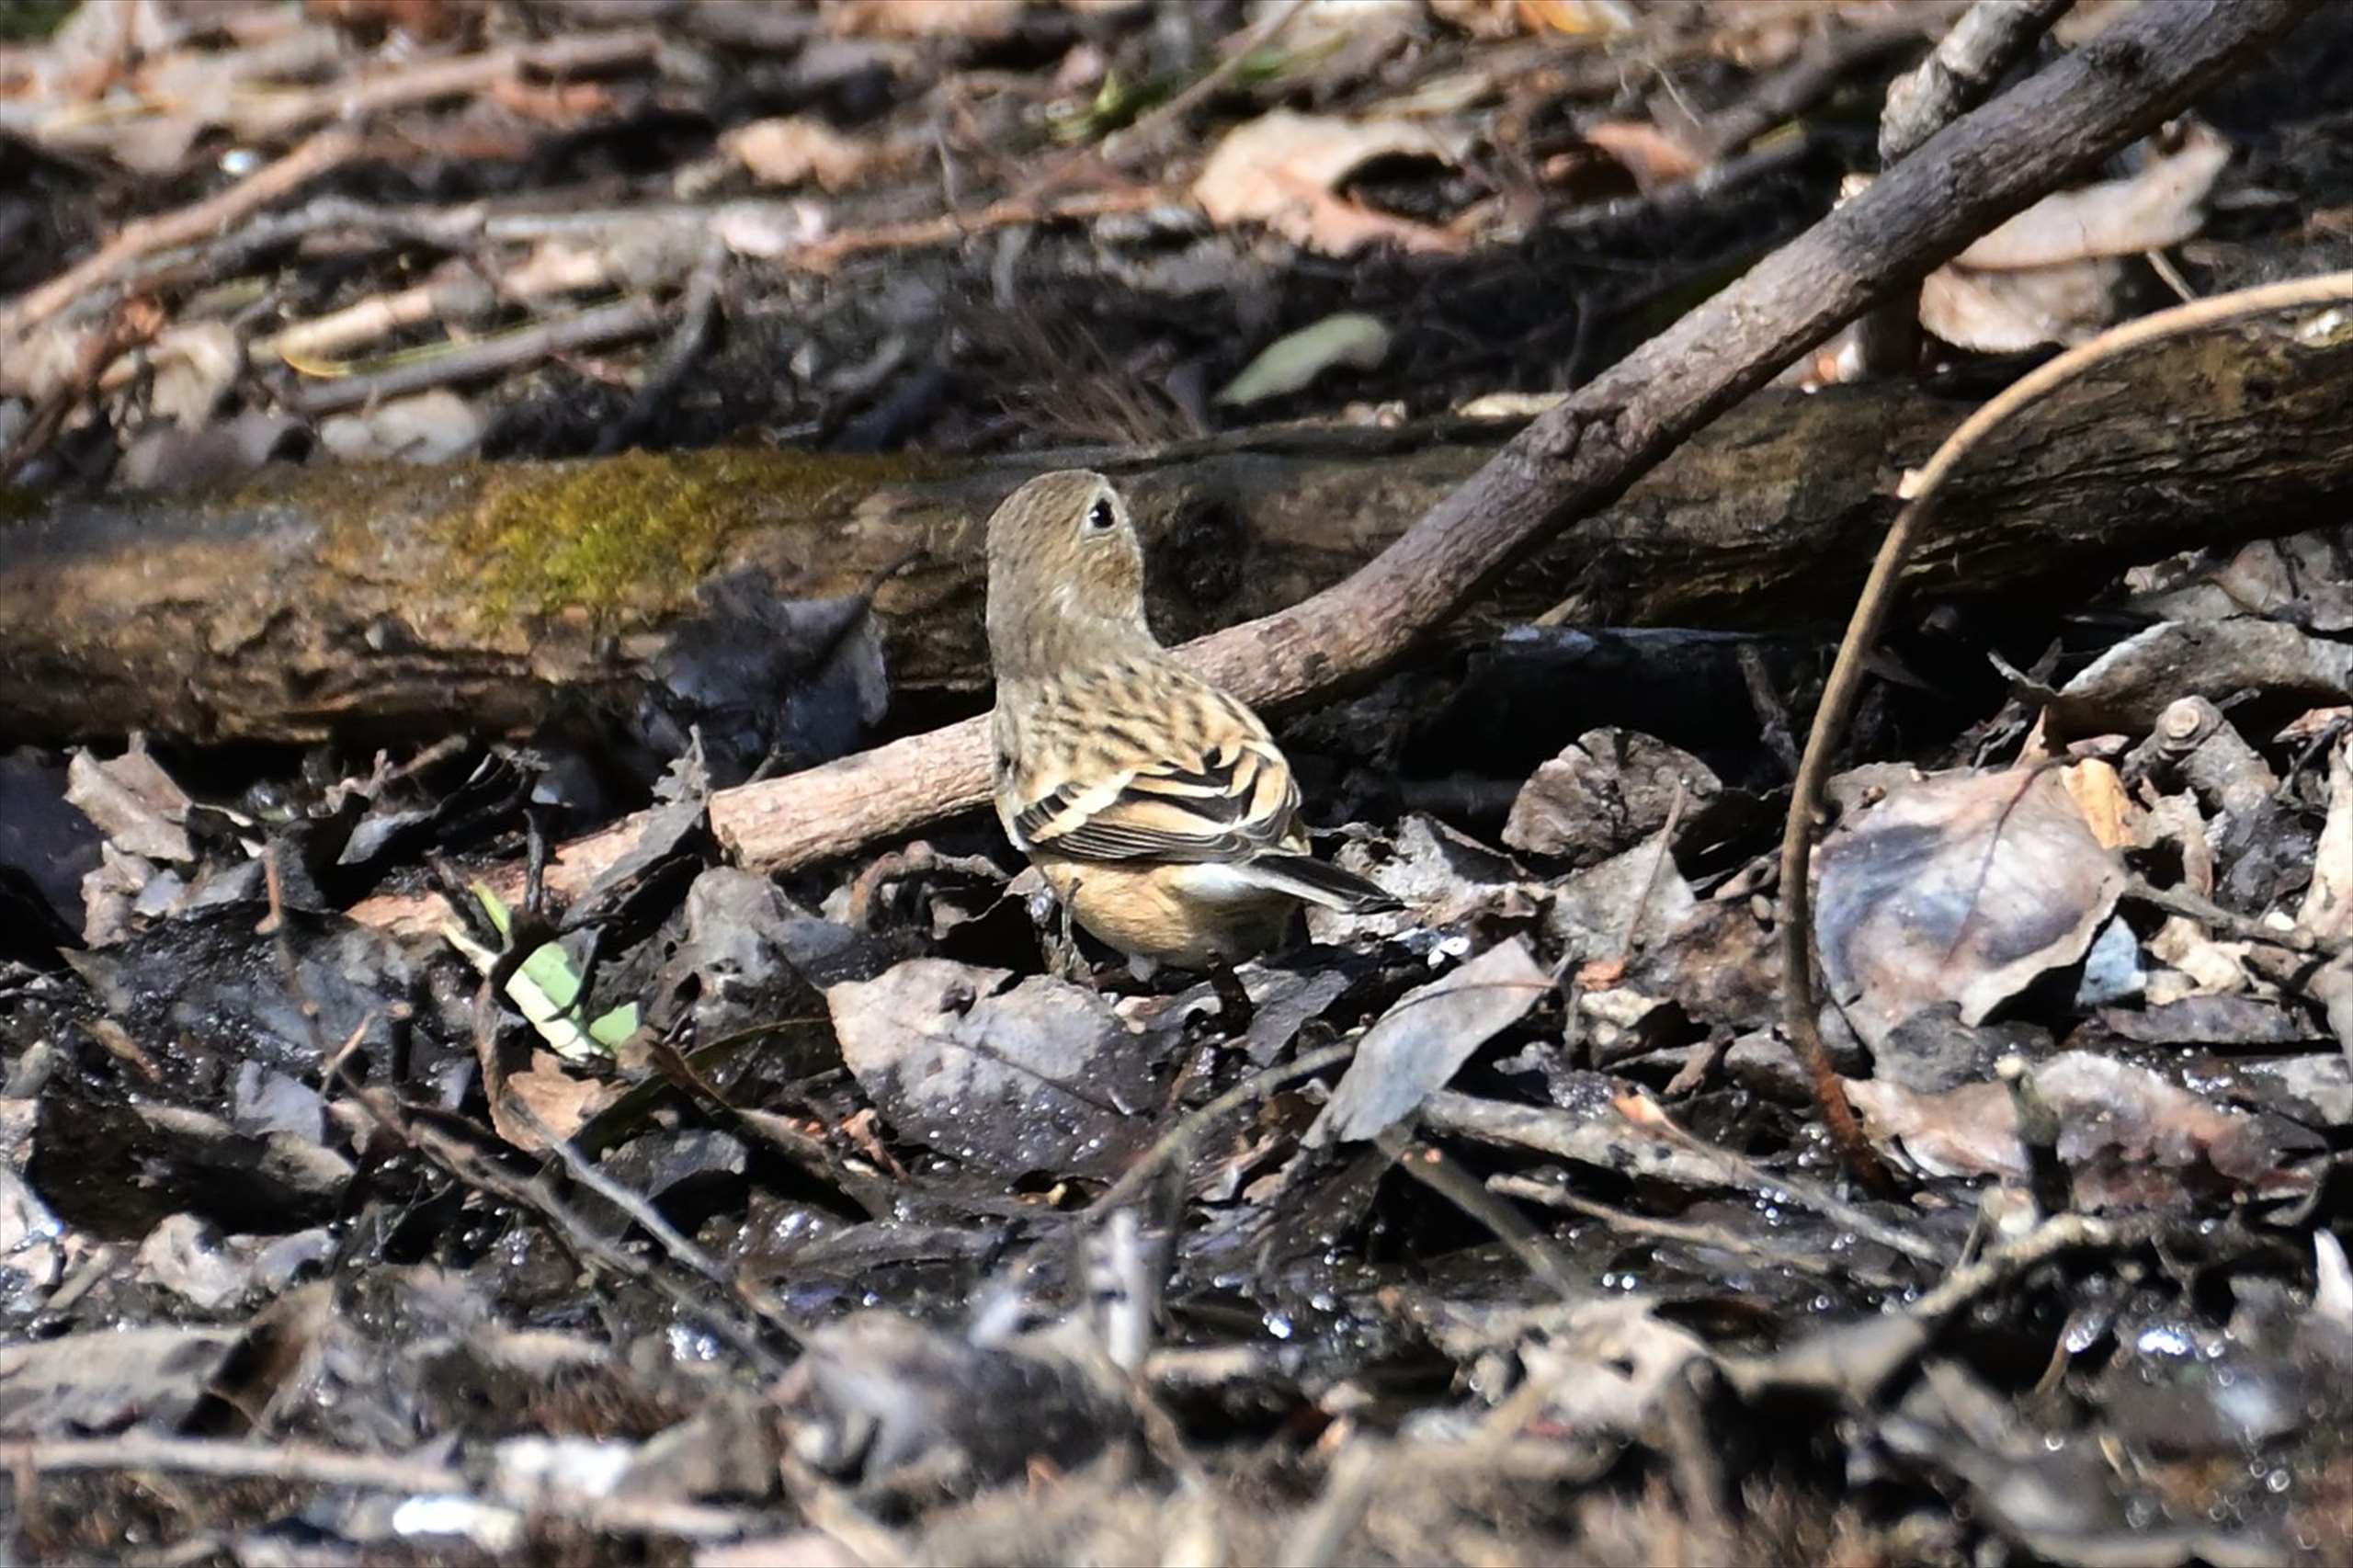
(1157, 806)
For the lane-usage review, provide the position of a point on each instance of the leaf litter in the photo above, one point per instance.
(818, 1222)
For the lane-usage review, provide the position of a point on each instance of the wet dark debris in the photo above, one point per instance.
(721, 1218)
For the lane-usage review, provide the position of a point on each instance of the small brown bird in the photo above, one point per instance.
(1156, 807)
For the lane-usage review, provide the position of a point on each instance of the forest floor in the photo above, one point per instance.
(736, 1218)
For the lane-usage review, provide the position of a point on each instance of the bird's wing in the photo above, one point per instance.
(1229, 801)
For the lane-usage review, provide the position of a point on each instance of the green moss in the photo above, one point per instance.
(31, 21)
(643, 528)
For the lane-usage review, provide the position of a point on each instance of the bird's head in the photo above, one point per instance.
(1065, 574)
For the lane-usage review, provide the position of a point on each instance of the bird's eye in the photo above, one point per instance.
(1100, 517)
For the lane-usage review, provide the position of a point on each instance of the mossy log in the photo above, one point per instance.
(376, 602)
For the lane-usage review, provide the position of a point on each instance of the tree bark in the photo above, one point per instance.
(355, 604)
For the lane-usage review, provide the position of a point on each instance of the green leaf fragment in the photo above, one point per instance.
(1289, 363)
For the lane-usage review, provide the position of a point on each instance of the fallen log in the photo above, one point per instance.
(1553, 482)
(396, 602)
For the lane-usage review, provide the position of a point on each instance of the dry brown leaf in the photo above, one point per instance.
(90, 50)
(1281, 169)
(768, 229)
(1325, 47)
(562, 1103)
(2313, 724)
(2099, 793)
(194, 366)
(141, 809)
(2158, 207)
(1609, 1364)
(1577, 19)
(1631, 902)
(2050, 275)
(2196, 964)
(1445, 880)
(1959, 890)
(1081, 71)
(2008, 313)
(1010, 1079)
(797, 147)
(2129, 1136)
(2328, 909)
(49, 359)
(427, 21)
(1608, 789)
(431, 428)
(171, 95)
(563, 103)
(1419, 1044)
(2298, 577)
(2174, 821)
(1649, 154)
(983, 19)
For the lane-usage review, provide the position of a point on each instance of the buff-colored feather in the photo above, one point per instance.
(1155, 803)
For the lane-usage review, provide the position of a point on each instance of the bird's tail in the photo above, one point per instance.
(1304, 876)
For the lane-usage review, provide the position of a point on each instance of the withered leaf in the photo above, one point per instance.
(1041, 1077)
(1961, 888)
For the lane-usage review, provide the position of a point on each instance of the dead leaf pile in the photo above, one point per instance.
(1282, 170)
(866, 1214)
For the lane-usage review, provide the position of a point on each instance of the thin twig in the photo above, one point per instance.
(2064, 1233)
(310, 1465)
(470, 1169)
(2193, 905)
(1772, 714)
(1962, 72)
(614, 323)
(1429, 1166)
(1171, 1145)
(1114, 149)
(2162, 265)
(1349, 1486)
(1651, 878)
(1990, 39)
(1800, 1004)
(1591, 1138)
(1855, 1361)
(372, 320)
(697, 309)
(301, 1462)
(1144, 133)
(1826, 61)
(1705, 190)
(824, 256)
(461, 78)
(1714, 1237)
(441, 228)
(1746, 1172)
(322, 153)
(621, 1197)
(642, 1211)
(128, 325)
